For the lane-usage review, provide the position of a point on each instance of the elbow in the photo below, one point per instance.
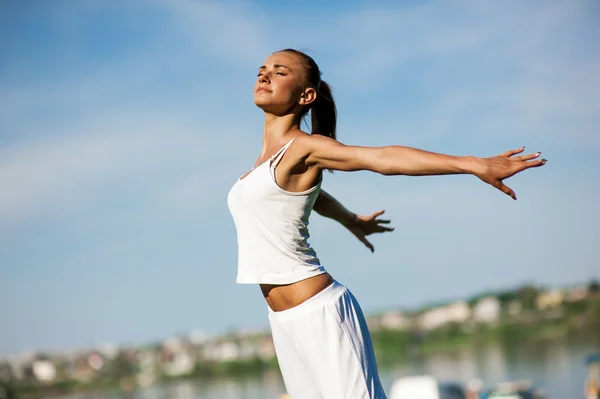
(382, 163)
(385, 170)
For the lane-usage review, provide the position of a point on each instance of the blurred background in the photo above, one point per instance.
(124, 124)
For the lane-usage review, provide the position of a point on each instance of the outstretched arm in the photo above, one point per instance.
(326, 153)
(359, 225)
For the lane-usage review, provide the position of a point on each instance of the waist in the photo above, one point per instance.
(276, 265)
(286, 296)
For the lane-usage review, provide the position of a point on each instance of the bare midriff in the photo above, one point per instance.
(284, 297)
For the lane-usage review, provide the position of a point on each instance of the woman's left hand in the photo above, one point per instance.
(494, 169)
(364, 225)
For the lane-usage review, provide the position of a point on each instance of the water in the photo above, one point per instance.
(557, 367)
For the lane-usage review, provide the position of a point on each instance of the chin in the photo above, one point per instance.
(264, 105)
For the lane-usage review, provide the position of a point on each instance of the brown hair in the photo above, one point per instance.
(323, 113)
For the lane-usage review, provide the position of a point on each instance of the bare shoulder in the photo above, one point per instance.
(326, 153)
(315, 142)
(301, 147)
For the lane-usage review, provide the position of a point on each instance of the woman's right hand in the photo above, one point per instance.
(494, 170)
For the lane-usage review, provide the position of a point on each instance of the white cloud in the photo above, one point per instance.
(59, 169)
(498, 69)
(102, 124)
(382, 39)
(231, 31)
(56, 172)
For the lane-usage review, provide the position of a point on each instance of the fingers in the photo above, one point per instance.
(527, 157)
(533, 164)
(373, 217)
(381, 229)
(360, 234)
(375, 229)
(367, 243)
(378, 213)
(506, 190)
(538, 162)
(510, 153)
(380, 221)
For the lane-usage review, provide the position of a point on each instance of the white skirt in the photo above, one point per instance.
(324, 348)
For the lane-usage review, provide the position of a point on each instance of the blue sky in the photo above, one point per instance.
(123, 126)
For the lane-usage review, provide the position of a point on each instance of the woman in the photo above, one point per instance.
(320, 334)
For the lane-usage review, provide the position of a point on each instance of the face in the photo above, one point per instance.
(281, 84)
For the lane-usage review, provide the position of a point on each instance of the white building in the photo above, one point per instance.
(394, 320)
(222, 351)
(550, 299)
(487, 310)
(174, 344)
(148, 361)
(43, 370)
(180, 363)
(458, 312)
(109, 351)
(266, 350)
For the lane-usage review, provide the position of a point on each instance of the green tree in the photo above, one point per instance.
(528, 295)
(7, 391)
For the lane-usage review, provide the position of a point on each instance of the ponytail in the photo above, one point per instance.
(323, 113)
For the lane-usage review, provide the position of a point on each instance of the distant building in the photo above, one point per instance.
(109, 351)
(458, 312)
(266, 349)
(176, 357)
(43, 370)
(86, 366)
(96, 360)
(222, 351)
(247, 350)
(174, 344)
(394, 320)
(180, 363)
(148, 364)
(487, 310)
(578, 293)
(549, 299)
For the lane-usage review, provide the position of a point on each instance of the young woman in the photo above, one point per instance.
(320, 334)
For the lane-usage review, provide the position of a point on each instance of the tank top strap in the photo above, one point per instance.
(279, 154)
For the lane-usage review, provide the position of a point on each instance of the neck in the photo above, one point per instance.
(277, 127)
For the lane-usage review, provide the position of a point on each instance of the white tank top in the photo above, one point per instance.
(272, 227)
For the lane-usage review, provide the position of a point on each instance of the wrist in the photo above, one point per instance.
(472, 165)
(348, 220)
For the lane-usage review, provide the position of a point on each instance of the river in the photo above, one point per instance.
(555, 366)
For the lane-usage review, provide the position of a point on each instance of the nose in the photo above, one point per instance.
(263, 78)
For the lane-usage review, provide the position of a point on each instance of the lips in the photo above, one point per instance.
(262, 89)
